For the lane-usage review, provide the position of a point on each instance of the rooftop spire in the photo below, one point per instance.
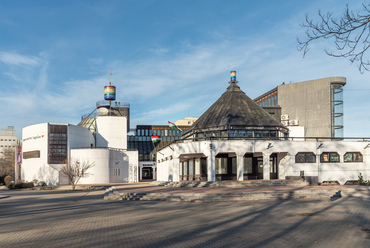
(233, 82)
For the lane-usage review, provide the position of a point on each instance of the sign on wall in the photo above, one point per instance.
(31, 154)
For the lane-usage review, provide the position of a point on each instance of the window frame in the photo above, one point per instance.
(305, 157)
(353, 161)
(329, 160)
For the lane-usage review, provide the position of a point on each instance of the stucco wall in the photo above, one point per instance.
(286, 151)
(35, 138)
(111, 131)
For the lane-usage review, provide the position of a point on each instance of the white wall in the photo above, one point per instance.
(100, 172)
(35, 138)
(79, 137)
(111, 131)
(340, 172)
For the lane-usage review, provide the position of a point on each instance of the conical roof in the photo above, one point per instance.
(234, 109)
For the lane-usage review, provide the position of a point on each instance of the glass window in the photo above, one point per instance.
(185, 168)
(166, 132)
(327, 157)
(353, 157)
(249, 134)
(248, 165)
(242, 133)
(146, 132)
(191, 167)
(258, 134)
(221, 166)
(305, 157)
(265, 134)
(273, 133)
(233, 133)
(234, 165)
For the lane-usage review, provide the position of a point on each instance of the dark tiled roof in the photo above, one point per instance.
(235, 108)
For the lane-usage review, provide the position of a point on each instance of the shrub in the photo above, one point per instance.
(8, 180)
(21, 185)
(362, 182)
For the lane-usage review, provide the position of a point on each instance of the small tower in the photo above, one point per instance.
(110, 91)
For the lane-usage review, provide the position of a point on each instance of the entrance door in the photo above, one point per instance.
(259, 169)
(273, 166)
(253, 167)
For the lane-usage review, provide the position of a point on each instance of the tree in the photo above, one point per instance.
(76, 170)
(351, 34)
(7, 161)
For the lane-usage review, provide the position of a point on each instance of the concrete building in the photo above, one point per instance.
(236, 139)
(316, 105)
(8, 139)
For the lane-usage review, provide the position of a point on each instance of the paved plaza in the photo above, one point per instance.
(83, 219)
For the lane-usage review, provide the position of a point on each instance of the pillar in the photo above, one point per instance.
(240, 167)
(266, 166)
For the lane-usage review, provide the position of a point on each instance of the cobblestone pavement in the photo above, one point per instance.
(84, 219)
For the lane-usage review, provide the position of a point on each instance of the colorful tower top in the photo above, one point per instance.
(233, 76)
(110, 90)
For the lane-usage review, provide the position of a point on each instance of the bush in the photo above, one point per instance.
(362, 182)
(21, 185)
(8, 180)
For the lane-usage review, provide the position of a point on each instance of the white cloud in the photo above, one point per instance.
(18, 60)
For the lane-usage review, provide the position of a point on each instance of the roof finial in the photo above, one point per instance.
(233, 77)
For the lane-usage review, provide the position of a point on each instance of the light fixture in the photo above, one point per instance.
(269, 146)
(320, 146)
(367, 146)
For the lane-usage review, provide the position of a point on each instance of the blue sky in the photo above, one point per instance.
(169, 59)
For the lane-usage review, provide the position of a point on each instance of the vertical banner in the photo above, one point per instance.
(19, 155)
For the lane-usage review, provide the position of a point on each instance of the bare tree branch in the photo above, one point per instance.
(351, 35)
(7, 161)
(75, 170)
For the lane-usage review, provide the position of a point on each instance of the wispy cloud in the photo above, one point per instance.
(18, 59)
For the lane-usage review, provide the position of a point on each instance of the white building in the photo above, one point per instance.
(235, 139)
(100, 139)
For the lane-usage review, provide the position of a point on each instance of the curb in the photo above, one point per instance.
(113, 194)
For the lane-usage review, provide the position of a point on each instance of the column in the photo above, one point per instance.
(211, 173)
(266, 166)
(240, 166)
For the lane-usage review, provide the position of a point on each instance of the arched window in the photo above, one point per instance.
(353, 157)
(305, 157)
(329, 157)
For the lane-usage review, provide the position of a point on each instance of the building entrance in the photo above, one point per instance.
(253, 166)
(147, 173)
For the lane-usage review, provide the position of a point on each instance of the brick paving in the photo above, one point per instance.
(84, 219)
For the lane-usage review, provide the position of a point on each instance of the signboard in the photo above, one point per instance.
(31, 154)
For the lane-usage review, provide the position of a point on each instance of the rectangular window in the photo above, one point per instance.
(242, 133)
(249, 134)
(191, 167)
(258, 134)
(248, 165)
(221, 166)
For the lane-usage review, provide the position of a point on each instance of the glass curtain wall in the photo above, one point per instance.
(337, 110)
